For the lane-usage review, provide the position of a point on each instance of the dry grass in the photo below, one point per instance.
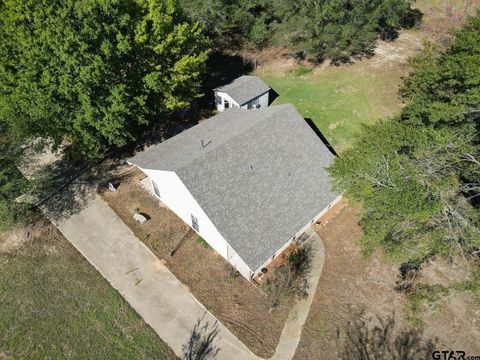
(55, 305)
(238, 304)
(351, 284)
(341, 100)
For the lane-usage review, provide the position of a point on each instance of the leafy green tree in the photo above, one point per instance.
(12, 182)
(95, 73)
(444, 90)
(336, 29)
(418, 176)
(408, 181)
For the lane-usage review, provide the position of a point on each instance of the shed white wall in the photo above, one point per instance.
(175, 195)
(225, 96)
(262, 100)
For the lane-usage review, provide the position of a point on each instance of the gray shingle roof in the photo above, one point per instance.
(244, 88)
(260, 179)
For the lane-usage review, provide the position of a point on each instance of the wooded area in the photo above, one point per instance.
(315, 30)
(418, 175)
(95, 73)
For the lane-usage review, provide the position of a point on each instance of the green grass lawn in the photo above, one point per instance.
(340, 100)
(53, 304)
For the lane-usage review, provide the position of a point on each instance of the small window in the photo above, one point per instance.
(227, 104)
(195, 224)
(155, 188)
(218, 100)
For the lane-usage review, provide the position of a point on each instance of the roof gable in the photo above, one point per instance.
(244, 88)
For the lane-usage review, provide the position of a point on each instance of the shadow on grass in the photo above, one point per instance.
(201, 345)
(64, 187)
(320, 135)
(412, 18)
(272, 95)
(371, 337)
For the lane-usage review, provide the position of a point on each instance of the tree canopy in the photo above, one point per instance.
(336, 29)
(418, 175)
(12, 182)
(95, 73)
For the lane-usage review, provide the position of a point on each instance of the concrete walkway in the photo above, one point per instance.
(147, 285)
(158, 296)
(292, 331)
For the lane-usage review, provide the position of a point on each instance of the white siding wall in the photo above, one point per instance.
(263, 101)
(225, 96)
(176, 196)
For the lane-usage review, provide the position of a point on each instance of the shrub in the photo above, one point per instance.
(291, 279)
(301, 70)
(202, 242)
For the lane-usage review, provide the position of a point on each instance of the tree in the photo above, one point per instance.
(444, 88)
(12, 183)
(408, 181)
(418, 175)
(95, 73)
(336, 29)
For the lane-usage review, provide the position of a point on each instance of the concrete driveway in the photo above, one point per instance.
(152, 290)
(147, 285)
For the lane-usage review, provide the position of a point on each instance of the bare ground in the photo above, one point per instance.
(387, 55)
(350, 283)
(238, 304)
(16, 238)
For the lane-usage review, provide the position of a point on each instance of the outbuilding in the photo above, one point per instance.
(246, 92)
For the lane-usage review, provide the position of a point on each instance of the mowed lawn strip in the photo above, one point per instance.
(341, 100)
(54, 304)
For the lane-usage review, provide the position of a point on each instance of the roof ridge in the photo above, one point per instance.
(245, 129)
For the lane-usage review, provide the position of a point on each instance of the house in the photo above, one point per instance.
(248, 182)
(245, 92)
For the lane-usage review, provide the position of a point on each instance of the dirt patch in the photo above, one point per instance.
(350, 284)
(443, 272)
(388, 54)
(14, 239)
(237, 303)
(392, 53)
(442, 17)
(334, 125)
(457, 325)
(273, 60)
(348, 90)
